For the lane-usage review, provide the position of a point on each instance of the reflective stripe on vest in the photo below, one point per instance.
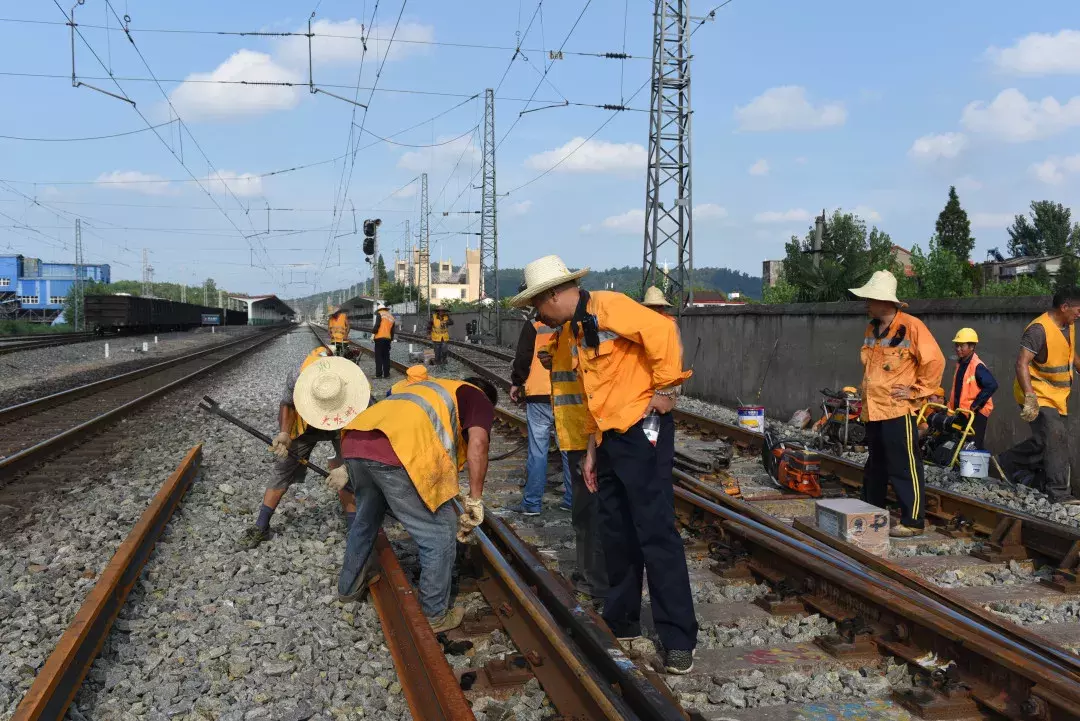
(439, 332)
(970, 388)
(567, 400)
(563, 376)
(1052, 381)
(440, 430)
(568, 394)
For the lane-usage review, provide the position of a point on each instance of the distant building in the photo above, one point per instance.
(447, 283)
(36, 290)
(771, 272)
(1009, 270)
(903, 257)
(713, 298)
(265, 309)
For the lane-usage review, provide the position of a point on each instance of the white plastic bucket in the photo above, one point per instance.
(974, 464)
(752, 418)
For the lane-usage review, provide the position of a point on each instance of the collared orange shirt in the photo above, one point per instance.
(905, 355)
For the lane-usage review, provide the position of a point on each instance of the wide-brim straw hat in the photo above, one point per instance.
(544, 274)
(881, 286)
(655, 297)
(331, 392)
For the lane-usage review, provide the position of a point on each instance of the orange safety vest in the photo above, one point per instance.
(386, 326)
(299, 426)
(970, 388)
(339, 329)
(539, 381)
(573, 424)
(440, 331)
(420, 418)
(1052, 380)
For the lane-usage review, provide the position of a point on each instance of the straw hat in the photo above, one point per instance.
(655, 297)
(331, 392)
(544, 274)
(881, 286)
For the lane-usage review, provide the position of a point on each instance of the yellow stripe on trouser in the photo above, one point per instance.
(912, 465)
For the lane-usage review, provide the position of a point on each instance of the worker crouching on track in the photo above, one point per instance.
(383, 333)
(630, 361)
(439, 328)
(404, 454)
(1044, 369)
(902, 367)
(973, 384)
(300, 438)
(338, 325)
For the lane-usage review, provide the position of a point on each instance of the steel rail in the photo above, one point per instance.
(12, 345)
(59, 680)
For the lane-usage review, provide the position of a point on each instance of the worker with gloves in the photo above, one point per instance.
(299, 437)
(338, 325)
(630, 360)
(404, 454)
(973, 384)
(902, 368)
(383, 333)
(439, 330)
(1044, 368)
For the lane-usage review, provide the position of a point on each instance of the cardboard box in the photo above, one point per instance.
(856, 522)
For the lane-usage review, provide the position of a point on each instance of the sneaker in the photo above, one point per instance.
(564, 506)
(448, 621)
(679, 661)
(902, 531)
(520, 508)
(363, 581)
(253, 537)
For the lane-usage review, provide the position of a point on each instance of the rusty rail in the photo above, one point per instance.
(60, 678)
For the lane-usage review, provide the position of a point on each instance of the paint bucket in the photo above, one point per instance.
(752, 418)
(974, 464)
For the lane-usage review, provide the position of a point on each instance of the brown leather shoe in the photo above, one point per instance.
(902, 531)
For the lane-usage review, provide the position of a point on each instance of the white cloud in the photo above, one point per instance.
(787, 108)
(242, 185)
(968, 184)
(935, 147)
(801, 160)
(761, 167)
(520, 208)
(442, 156)
(1041, 54)
(591, 156)
(1014, 118)
(409, 191)
(706, 211)
(338, 43)
(137, 181)
(1053, 170)
(866, 213)
(632, 221)
(784, 216)
(991, 220)
(196, 100)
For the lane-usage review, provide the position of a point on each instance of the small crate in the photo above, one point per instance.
(856, 522)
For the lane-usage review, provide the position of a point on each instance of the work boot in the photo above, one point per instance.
(253, 537)
(448, 621)
(902, 531)
(360, 585)
(679, 661)
(520, 508)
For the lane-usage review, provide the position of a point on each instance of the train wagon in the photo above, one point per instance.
(135, 314)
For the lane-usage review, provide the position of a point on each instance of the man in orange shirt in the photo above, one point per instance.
(902, 367)
(630, 360)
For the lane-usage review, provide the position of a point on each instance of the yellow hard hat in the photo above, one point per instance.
(966, 335)
(851, 390)
(940, 391)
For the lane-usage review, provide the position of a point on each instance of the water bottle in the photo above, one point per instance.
(651, 426)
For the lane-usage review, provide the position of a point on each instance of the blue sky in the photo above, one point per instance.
(877, 107)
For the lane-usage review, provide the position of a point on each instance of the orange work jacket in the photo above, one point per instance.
(907, 355)
(970, 388)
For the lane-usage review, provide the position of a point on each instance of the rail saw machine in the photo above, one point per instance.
(795, 466)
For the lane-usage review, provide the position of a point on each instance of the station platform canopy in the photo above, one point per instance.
(265, 309)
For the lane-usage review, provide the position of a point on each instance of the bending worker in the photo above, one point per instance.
(902, 367)
(973, 384)
(338, 325)
(404, 453)
(1044, 369)
(439, 328)
(528, 374)
(297, 436)
(630, 361)
(383, 333)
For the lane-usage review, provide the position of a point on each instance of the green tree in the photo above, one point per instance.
(384, 279)
(1024, 285)
(954, 229)
(393, 293)
(1049, 232)
(940, 273)
(782, 292)
(1068, 275)
(1042, 276)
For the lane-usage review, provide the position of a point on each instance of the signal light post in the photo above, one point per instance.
(371, 250)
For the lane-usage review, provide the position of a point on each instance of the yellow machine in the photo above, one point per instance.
(949, 432)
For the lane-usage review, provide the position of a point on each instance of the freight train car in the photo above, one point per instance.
(129, 313)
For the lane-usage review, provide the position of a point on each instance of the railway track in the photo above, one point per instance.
(38, 430)
(13, 344)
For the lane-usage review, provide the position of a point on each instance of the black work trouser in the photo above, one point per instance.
(1045, 455)
(637, 530)
(585, 518)
(382, 357)
(980, 431)
(440, 352)
(895, 460)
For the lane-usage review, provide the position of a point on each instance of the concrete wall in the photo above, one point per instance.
(817, 346)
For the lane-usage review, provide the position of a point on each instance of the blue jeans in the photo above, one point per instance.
(378, 487)
(541, 423)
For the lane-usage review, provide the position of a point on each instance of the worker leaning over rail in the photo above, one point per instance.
(902, 367)
(630, 361)
(973, 384)
(297, 436)
(1044, 368)
(383, 333)
(654, 300)
(338, 325)
(439, 329)
(404, 454)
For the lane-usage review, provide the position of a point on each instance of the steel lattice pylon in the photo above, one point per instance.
(489, 327)
(423, 272)
(80, 278)
(668, 206)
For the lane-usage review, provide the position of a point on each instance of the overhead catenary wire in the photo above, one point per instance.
(94, 137)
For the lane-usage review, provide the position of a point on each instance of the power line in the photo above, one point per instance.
(95, 137)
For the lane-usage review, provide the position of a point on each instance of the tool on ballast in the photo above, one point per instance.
(209, 405)
(840, 423)
(948, 433)
(795, 466)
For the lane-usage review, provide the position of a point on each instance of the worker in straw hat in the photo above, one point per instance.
(403, 454)
(300, 438)
(631, 366)
(655, 300)
(902, 368)
(973, 384)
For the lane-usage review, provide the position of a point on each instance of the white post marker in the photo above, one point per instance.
(106, 350)
(155, 340)
(213, 329)
(145, 347)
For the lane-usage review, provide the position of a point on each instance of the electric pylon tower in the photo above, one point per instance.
(80, 274)
(423, 276)
(408, 267)
(147, 275)
(668, 197)
(489, 327)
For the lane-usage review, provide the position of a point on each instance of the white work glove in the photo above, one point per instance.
(280, 445)
(338, 478)
(1030, 411)
(471, 517)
